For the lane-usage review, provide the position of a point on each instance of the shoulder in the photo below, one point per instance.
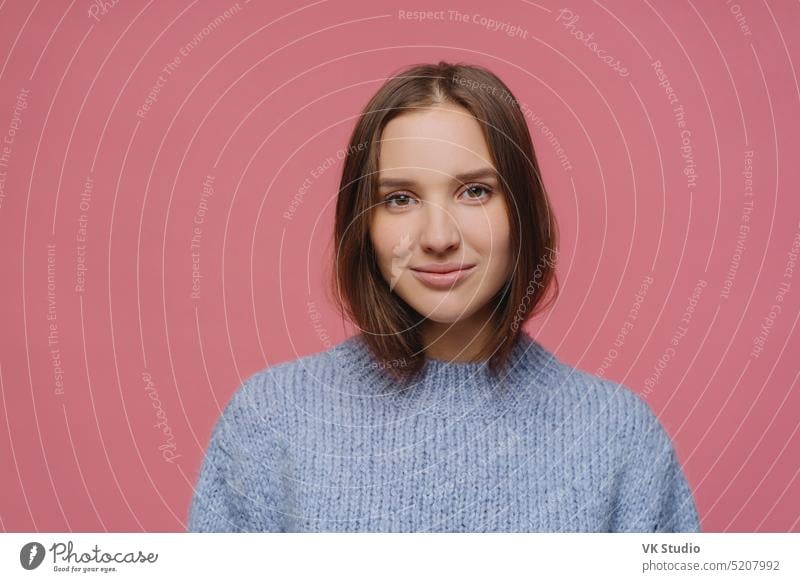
(579, 388)
(614, 399)
(609, 411)
(255, 412)
(287, 383)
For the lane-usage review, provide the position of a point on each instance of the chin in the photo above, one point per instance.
(444, 311)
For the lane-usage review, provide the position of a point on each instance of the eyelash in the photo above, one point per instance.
(396, 195)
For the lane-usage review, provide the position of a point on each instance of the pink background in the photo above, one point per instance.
(267, 97)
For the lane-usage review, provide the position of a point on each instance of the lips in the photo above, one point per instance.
(442, 276)
(442, 267)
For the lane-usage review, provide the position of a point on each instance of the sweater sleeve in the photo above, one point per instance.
(654, 494)
(213, 507)
(238, 487)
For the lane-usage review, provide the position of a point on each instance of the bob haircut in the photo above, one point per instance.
(391, 327)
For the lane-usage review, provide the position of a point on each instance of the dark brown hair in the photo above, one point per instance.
(389, 325)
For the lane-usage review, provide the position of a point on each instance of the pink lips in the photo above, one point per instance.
(442, 276)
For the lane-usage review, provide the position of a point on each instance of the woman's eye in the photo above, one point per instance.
(398, 200)
(477, 191)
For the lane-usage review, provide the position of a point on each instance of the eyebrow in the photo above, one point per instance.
(460, 178)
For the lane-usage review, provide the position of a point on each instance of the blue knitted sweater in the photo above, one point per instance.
(329, 443)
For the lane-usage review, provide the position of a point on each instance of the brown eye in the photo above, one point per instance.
(398, 200)
(477, 192)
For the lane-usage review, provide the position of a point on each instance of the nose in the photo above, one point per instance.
(440, 233)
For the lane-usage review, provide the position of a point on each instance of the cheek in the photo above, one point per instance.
(391, 240)
(489, 233)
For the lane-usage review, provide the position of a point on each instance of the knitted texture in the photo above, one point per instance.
(329, 442)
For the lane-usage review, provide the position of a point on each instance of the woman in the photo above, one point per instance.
(441, 414)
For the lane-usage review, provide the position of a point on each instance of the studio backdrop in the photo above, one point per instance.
(169, 172)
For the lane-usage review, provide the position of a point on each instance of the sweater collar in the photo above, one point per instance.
(529, 362)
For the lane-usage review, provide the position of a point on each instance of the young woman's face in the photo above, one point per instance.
(440, 206)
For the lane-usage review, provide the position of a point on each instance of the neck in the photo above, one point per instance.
(461, 341)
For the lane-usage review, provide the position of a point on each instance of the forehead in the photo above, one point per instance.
(445, 139)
